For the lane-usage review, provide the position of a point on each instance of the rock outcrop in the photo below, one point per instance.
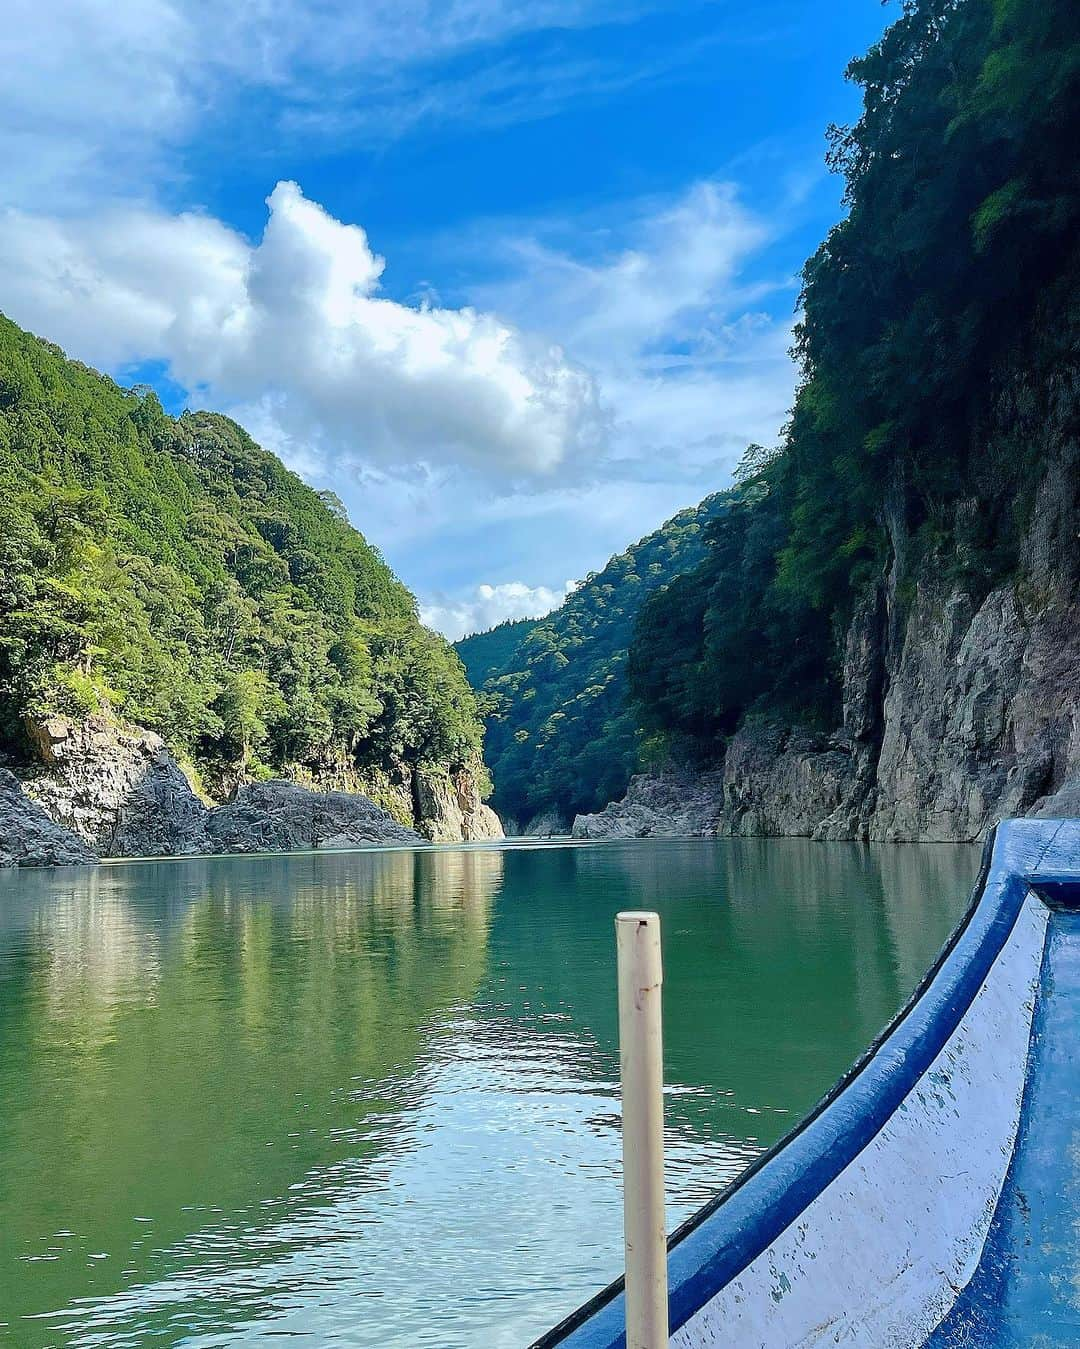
(1064, 804)
(117, 791)
(661, 805)
(29, 837)
(960, 706)
(280, 817)
(547, 824)
(161, 816)
(448, 808)
(115, 786)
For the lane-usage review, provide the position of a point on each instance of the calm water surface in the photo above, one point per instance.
(370, 1098)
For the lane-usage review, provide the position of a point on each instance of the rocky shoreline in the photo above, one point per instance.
(960, 699)
(98, 789)
(971, 715)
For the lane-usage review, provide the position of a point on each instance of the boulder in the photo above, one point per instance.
(280, 816)
(29, 838)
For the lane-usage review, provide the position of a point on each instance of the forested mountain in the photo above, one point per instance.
(559, 734)
(486, 653)
(175, 573)
(905, 559)
(954, 278)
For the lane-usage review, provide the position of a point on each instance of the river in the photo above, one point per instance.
(370, 1098)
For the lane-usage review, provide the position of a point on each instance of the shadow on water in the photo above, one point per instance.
(371, 1098)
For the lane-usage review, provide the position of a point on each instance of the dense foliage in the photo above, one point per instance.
(171, 570)
(486, 653)
(560, 736)
(955, 268)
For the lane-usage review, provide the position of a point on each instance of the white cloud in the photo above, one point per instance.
(498, 91)
(293, 335)
(92, 92)
(439, 426)
(674, 266)
(491, 604)
(662, 306)
(100, 96)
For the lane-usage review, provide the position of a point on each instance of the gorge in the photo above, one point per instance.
(875, 634)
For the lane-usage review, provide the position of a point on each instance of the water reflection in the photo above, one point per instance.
(371, 1098)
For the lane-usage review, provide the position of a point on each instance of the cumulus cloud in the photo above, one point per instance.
(440, 425)
(491, 604)
(293, 332)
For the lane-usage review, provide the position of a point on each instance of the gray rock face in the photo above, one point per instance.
(29, 838)
(1064, 804)
(279, 816)
(545, 825)
(449, 810)
(121, 791)
(117, 787)
(959, 709)
(780, 782)
(161, 816)
(666, 805)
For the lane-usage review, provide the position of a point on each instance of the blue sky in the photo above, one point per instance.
(516, 281)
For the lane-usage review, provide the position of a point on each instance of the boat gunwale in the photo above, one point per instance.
(705, 1274)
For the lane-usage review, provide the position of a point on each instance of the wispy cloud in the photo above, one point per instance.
(664, 302)
(485, 90)
(101, 96)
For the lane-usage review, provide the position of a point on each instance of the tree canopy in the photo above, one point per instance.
(171, 570)
(559, 733)
(952, 278)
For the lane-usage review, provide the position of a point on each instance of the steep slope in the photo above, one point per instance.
(171, 575)
(884, 638)
(486, 653)
(560, 738)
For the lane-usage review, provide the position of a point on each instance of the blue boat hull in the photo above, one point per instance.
(933, 1197)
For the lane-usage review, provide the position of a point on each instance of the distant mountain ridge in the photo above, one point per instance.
(560, 736)
(486, 653)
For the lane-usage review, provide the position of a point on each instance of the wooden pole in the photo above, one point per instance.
(641, 1060)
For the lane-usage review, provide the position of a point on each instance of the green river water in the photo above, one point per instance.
(370, 1098)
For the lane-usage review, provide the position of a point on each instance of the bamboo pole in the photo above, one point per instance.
(641, 1062)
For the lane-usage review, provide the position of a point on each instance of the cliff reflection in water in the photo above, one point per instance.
(373, 1097)
(186, 1041)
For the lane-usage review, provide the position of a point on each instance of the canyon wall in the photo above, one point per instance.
(960, 707)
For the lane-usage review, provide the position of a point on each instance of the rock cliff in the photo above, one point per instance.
(544, 824)
(29, 837)
(448, 808)
(113, 790)
(961, 705)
